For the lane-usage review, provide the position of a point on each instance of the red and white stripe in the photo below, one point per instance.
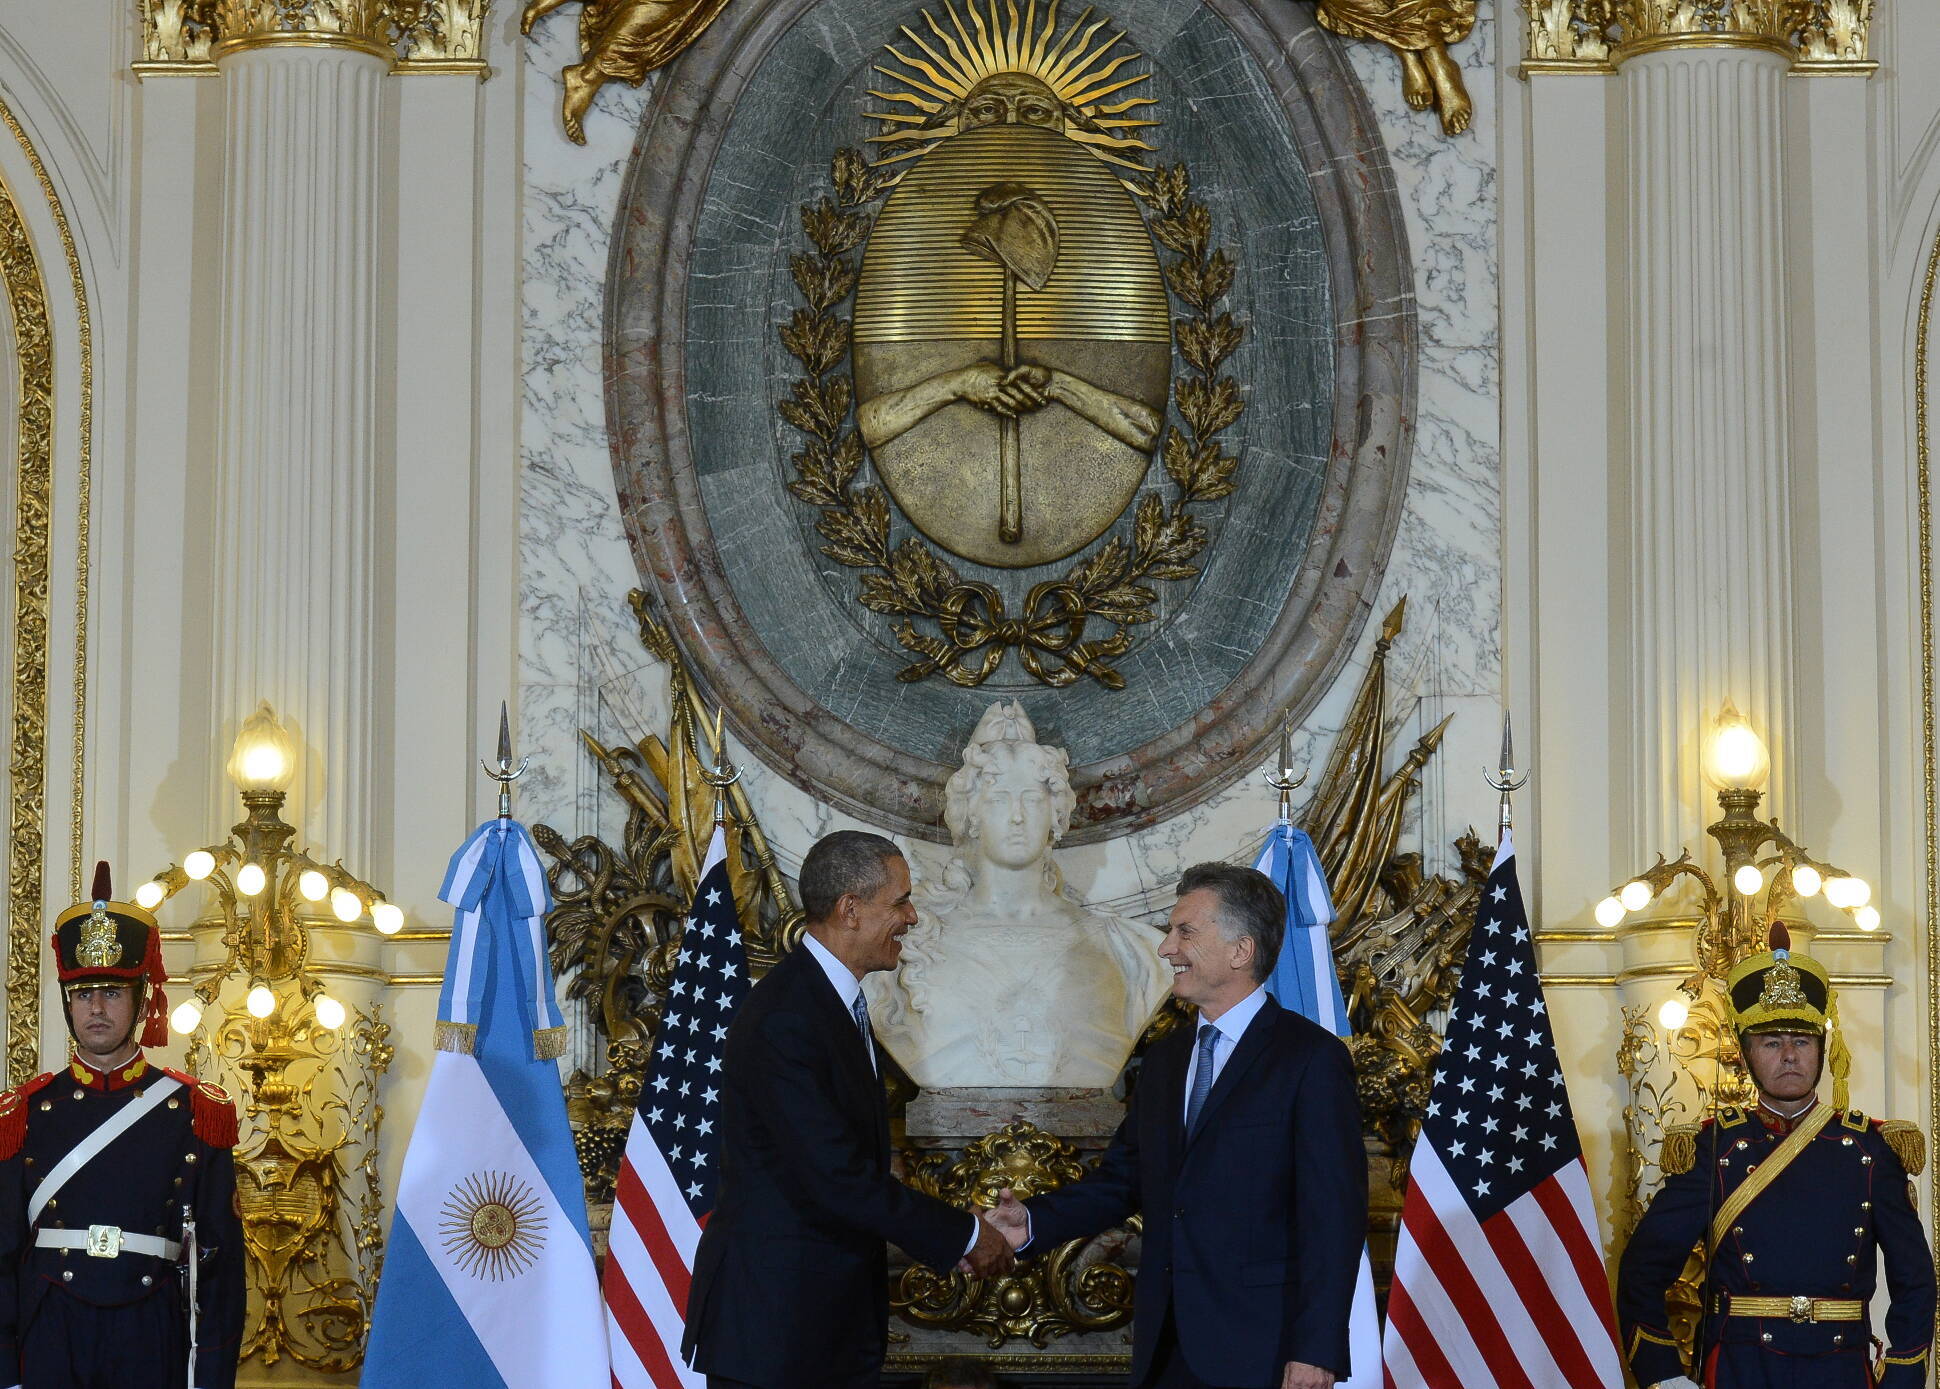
(649, 1265)
(1517, 1301)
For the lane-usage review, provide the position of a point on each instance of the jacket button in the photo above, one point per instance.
(1766, 1338)
(1747, 1256)
(1179, 1214)
(1852, 1258)
(1859, 1230)
(1865, 1205)
(147, 1280)
(67, 1276)
(1838, 1340)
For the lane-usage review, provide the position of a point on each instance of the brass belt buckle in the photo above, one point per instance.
(1802, 1309)
(104, 1241)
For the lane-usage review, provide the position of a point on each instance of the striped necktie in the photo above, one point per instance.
(1202, 1075)
(861, 1011)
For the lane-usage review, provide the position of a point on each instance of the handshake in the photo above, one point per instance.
(1001, 1232)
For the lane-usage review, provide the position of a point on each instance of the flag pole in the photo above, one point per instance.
(725, 773)
(1504, 778)
(505, 773)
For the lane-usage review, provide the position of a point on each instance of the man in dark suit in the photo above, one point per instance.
(1242, 1146)
(790, 1280)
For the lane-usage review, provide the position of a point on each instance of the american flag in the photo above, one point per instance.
(1498, 1274)
(665, 1190)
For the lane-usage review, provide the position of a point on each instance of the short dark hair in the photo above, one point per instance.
(1249, 905)
(840, 863)
(959, 1372)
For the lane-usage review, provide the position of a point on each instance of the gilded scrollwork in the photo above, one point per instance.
(1820, 36)
(186, 36)
(1080, 1286)
(33, 465)
(614, 931)
(307, 1179)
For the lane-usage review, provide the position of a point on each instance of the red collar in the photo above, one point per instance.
(1777, 1122)
(119, 1078)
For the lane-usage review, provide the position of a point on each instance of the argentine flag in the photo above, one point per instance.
(488, 1277)
(1305, 981)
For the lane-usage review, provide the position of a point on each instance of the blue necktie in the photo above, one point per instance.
(861, 1011)
(1202, 1075)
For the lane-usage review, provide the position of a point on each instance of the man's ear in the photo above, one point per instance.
(1243, 951)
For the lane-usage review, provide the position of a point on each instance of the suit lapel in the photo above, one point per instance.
(849, 1046)
(1252, 1045)
(1167, 1078)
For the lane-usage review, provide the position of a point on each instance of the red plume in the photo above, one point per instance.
(1781, 939)
(154, 1031)
(103, 886)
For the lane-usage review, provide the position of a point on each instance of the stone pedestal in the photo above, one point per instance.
(950, 1118)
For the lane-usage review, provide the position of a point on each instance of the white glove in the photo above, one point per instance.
(1675, 1382)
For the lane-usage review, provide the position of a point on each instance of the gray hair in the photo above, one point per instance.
(848, 861)
(1249, 905)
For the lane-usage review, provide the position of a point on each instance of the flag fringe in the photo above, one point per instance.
(549, 1043)
(455, 1036)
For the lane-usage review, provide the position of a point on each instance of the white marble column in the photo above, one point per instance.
(1710, 475)
(296, 468)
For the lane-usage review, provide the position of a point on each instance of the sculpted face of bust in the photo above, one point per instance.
(1011, 810)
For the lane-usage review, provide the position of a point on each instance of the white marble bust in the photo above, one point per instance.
(1007, 979)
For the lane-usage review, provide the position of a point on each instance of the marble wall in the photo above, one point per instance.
(581, 666)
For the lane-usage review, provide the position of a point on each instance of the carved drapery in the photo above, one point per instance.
(1818, 36)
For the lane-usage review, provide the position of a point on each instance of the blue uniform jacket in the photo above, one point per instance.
(1819, 1230)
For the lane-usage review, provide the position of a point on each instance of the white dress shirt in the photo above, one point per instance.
(1232, 1026)
(848, 988)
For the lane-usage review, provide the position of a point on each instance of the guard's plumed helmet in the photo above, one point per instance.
(102, 941)
(1781, 990)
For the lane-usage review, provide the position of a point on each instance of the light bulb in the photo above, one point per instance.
(1866, 918)
(199, 864)
(1609, 912)
(1806, 880)
(1862, 892)
(261, 1002)
(264, 756)
(1843, 891)
(387, 917)
(1735, 757)
(250, 881)
(313, 885)
(1635, 895)
(346, 904)
(186, 1017)
(1674, 1014)
(1748, 879)
(330, 1013)
(149, 895)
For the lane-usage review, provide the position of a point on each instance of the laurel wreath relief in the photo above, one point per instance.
(971, 630)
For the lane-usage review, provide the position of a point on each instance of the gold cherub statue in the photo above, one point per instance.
(1419, 32)
(623, 39)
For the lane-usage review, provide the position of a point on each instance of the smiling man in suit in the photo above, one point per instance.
(790, 1280)
(1242, 1147)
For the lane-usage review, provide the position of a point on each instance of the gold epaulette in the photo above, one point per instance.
(1909, 1145)
(1679, 1152)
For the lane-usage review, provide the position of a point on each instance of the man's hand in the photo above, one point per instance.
(991, 1256)
(1010, 1218)
(1675, 1382)
(1299, 1376)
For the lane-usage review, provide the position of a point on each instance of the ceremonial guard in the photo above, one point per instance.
(120, 1245)
(1794, 1203)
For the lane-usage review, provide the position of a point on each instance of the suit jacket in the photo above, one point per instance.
(791, 1271)
(1254, 1223)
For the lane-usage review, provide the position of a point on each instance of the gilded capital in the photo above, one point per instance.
(186, 37)
(1818, 36)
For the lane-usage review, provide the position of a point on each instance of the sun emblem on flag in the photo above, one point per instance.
(493, 1226)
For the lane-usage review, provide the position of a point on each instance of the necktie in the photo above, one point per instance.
(1202, 1074)
(861, 1011)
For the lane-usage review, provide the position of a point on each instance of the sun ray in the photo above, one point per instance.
(941, 59)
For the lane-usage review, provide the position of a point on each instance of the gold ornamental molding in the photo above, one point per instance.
(1820, 37)
(33, 488)
(1929, 752)
(184, 38)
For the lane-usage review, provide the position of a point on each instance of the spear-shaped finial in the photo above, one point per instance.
(1504, 779)
(1281, 777)
(725, 773)
(505, 773)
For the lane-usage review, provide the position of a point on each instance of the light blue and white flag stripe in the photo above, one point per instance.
(499, 857)
(1305, 981)
(509, 1300)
